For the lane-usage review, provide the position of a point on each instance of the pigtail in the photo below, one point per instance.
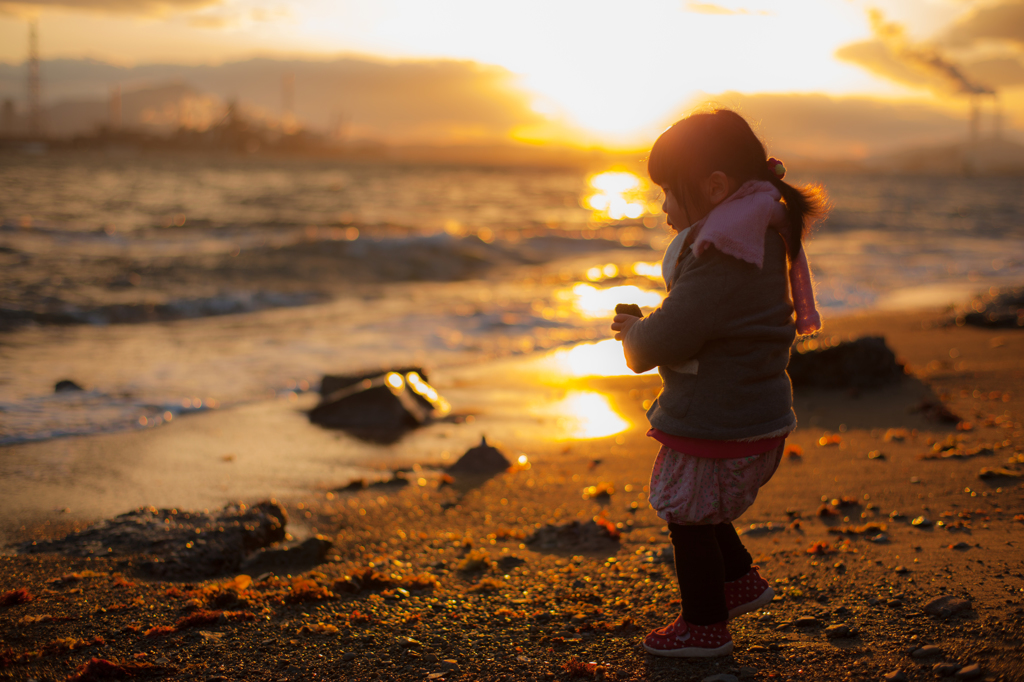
(804, 206)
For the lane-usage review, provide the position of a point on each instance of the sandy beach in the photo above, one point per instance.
(880, 510)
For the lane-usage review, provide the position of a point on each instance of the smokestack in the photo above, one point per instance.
(975, 119)
(997, 118)
(115, 108)
(288, 104)
(7, 122)
(35, 110)
(288, 96)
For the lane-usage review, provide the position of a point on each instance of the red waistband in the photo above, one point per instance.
(716, 449)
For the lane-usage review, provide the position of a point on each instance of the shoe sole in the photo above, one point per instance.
(692, 651)
(765, 598)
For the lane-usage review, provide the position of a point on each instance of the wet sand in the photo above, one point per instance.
(490, 605)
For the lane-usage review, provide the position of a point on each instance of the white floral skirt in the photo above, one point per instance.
(691, 491)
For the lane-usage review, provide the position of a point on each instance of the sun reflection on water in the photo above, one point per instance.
(601, 359)
(618, 195)
(590, 301)
(587, 414)
(649, 270)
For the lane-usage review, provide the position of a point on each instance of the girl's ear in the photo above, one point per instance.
(718, 187)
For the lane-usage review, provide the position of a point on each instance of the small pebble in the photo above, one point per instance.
(765, 617)
(806, 622)
(969, 672)
(348, 656)
(873, 601)
(900, 569)
(838, 631)
(921, 522)
(945, 669)
(926, 651)
(895, 676)
(721, 677)
(450, 664)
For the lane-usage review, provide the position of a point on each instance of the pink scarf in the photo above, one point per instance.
(737, 226)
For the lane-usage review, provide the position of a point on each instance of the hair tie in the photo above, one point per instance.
(776, 167)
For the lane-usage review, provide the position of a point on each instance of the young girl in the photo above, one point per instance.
(721, 341)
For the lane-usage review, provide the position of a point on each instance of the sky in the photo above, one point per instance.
(586, 71)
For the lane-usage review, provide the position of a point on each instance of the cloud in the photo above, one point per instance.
(139, 7)
(708, 8)
(1002, 21)
(818, 126)
(1001, 72)
(877, 58)
(222, 20)
(894, 56)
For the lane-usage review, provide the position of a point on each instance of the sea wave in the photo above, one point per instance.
(51, 277)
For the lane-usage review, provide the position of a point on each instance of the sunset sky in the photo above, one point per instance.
(587, 71)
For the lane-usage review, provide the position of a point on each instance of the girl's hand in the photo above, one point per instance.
(621, 324)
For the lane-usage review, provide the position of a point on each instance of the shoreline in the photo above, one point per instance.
(476, 600)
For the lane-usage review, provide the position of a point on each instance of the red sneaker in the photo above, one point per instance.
(686, 640)
(747, 594)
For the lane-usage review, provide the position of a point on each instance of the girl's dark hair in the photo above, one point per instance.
(721, 140)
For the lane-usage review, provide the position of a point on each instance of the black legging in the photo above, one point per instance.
(706, 558)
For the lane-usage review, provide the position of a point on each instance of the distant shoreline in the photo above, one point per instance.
(991, 157)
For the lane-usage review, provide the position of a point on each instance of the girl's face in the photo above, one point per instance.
(677, 218)
(712, 191)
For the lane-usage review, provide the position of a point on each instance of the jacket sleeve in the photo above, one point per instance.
(688, 316)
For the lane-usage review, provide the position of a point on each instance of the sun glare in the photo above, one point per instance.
(586, 414)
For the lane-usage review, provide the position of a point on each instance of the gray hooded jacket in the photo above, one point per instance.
(721, 341)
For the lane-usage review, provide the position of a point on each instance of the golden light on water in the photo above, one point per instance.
(601, 359)
(649, 270)
(590, 301)
(596, 274)
(618, 195)
(586, 414)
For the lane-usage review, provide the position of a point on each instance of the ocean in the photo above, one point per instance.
(166, 286)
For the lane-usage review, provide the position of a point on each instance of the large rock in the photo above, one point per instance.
(945, 606)
(183, 545)
(379, 407)
(866, 362)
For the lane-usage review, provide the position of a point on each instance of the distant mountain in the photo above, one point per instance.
(410, 102)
